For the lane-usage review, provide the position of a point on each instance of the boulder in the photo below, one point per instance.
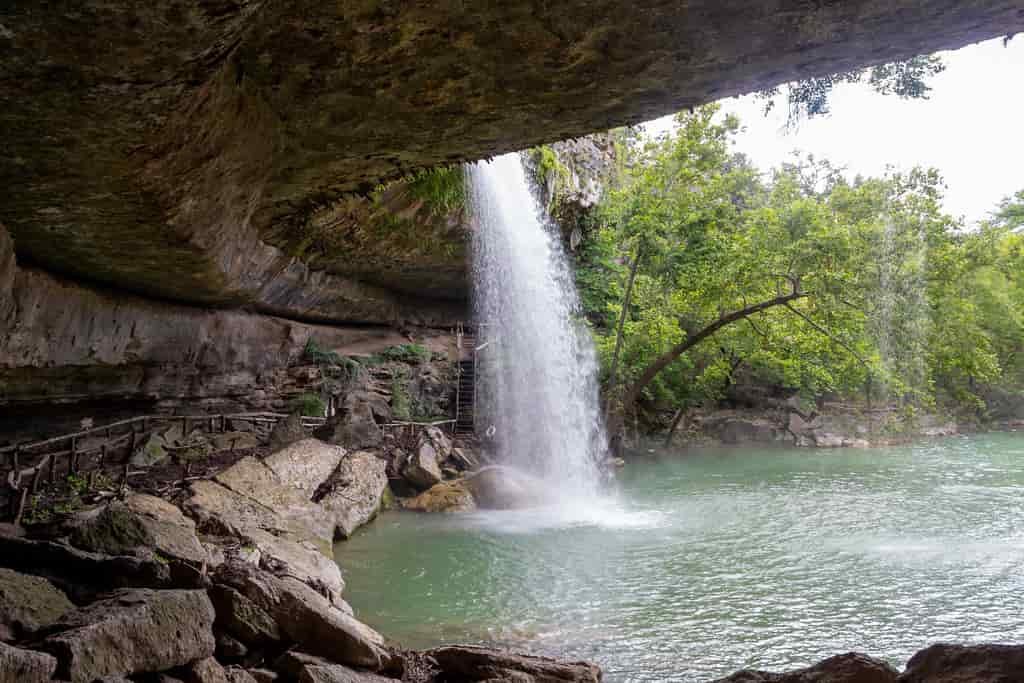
(307, 618)
(242, 618)
(465, 459)
(297, 558)
(305, 465)
(206, 670)
(286, 432)
(27, 604)
(437, 440)
(305, 668)
(78, 567)
(233, 441)
(942, 663)
(469, 663)
(137, 525)
(25, 666)
(354, 427)
(421, 469)
(152, 452)
(237, 675)
(262, 676)
(133, 631)
(355, 492)
(447, 496)
(500, 488)
(220, 511)
(229, 648)
(851, 667)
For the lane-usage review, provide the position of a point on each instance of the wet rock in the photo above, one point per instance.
(421, 468)
(468, 663)
(134, 631)
(242, 618)
(287, 431)
(852, 667)
(942, 663)
(206, 670)
(465, 459)
(501, 488)
(25, 666)
(27, 604)
(137, 525)
(305, 465)
(355, 492)
(70, 567)
(447, 496)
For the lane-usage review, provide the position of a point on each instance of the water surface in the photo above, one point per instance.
(715, 561)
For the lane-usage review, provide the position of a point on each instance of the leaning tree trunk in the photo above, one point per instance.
(613, 375)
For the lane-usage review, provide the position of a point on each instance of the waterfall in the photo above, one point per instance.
(537, 379)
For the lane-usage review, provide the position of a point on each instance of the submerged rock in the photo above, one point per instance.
(27, 604)
(134, 631)
(852, 667)
(943, 663)
(355, 492)
(469, 663)
(446, 496)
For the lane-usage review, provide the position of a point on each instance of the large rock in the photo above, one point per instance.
(354, 427)
(447, 496)
(305, 465)
(944, 663)
(139, 524)
(27, 604)
(134, 631)
(852, 667)
(307, 618)
(355, 492)
(286, 432)
(437, 440)
(242, 618)
(500, 488)
(73, 568)
(468, 663)
(25, 666)
(300, 559)
(421, 468)
(206, 670)
(306, 668)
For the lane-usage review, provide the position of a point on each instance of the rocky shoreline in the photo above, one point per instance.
(232, 580)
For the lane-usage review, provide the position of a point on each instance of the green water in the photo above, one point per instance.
(711, 562)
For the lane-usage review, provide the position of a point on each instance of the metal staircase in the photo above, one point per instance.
(465, 386)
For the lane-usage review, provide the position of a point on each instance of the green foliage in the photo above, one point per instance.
(401, 404)
(809, 97)
(900, 305)
(309, 405)
(413, 354)
(443, 189)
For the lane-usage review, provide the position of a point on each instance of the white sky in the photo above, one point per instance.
(971, 128)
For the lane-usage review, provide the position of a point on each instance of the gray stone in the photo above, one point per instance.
(287, 431)
(152, 452)
(353, 427)
(229, 648)
(25, 666)
(27, 604)
(232, 441)
(421, 468)
(299, 558)
(306, 668)
(501, 488)
(46, 557)
(133, 631)
(305, 465)
(464, 662)
(237, 675)
(262, 676)
(738, 431)
(355, 492)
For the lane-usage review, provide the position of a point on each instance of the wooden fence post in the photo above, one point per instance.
(73, 458)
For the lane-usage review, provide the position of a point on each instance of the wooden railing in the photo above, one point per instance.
(22, 480)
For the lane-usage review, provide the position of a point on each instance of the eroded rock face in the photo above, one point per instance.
(944, 663)
(134, 631)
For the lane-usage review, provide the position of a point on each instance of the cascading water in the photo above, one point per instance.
(537, 383)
